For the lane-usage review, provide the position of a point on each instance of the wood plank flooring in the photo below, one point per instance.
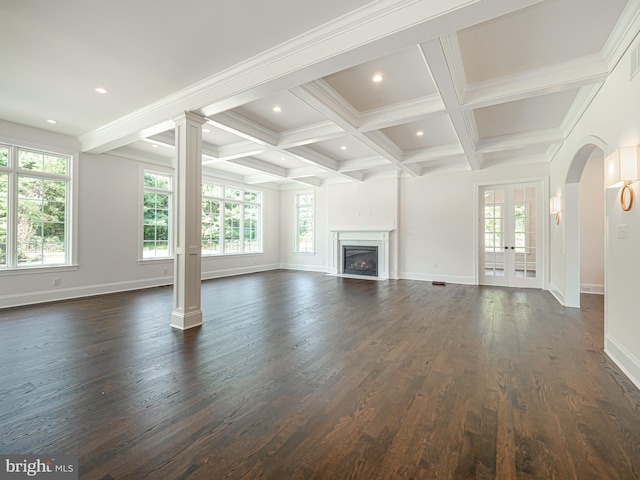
(298, 375)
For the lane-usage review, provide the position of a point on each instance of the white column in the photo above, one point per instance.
(187, 224)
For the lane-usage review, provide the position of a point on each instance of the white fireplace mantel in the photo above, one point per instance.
(374, 238)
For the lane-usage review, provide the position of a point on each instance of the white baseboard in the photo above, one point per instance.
(459, 279)
(556, 293)
(592, 288)
(57, 294)
(30, 298)
(304, 268)
(626, 361)
(232, 272)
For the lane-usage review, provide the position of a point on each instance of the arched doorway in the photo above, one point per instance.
(571, 218)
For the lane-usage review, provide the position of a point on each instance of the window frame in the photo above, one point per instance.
(165, 172)
(70, 179)
(297, 217)
(223, 199)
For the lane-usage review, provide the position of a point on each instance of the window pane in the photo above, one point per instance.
(232, 193)
(55, 164)
(210, 227)
(3, 219)
(4, 156)
(156, 222)
(251, 228)
(231, 227)
(251, 196)
(211, 190)
(30, 160)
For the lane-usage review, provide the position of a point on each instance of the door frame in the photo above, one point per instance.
(543, 184)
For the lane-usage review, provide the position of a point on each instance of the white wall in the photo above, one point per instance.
(611, 121)
(592, 225)
(108, 218)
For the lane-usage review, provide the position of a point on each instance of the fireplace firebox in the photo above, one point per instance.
(360, 260)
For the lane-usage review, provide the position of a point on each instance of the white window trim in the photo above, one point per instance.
(260, 206)
(162, 171)
(296, 246)
(71, 223)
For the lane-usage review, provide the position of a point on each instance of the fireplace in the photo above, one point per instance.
(372, 244)
(360, 260)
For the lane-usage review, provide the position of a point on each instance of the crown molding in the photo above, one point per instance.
(520, 140)
(310, 134)
(319, 95)
(376, 29)
(431, 154)
(242, 127)
(623, 34)
(550, 79)
(261, 166)
(402, 112)
(453, 55)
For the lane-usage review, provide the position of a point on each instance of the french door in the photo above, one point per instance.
(510, 235)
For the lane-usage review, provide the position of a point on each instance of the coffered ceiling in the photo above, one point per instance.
(289, 92)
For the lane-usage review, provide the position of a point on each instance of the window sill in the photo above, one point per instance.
(6, 272)
(309, 254)
(151, 261)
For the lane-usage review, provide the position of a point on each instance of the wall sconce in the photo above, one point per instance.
(622, 169)
(554, 207)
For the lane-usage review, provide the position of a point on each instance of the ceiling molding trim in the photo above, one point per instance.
(240, 149)
(559, 77)
(376, 29)
(362, 163)
(319, 95)
(242, 127)
(261, 166)
(381, 144)
(623, 34)
(403, 112)
(433, 53)
(520, 140)
(433, 153)
(310, 134)
(312, 181)
(329, 164)
(579, 105)
(453, 56)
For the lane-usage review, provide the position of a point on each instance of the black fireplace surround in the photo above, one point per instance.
(360, 260)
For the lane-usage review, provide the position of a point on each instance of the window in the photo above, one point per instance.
(34, 201)
(231, 220)
(156, 225)
(304, 222)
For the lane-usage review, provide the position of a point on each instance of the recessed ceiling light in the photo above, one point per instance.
(100, 90)
(277, 108)
(419, 133)
(377, 78)
(206, 130)
(154, 145)
(343, 147)
(52, 121)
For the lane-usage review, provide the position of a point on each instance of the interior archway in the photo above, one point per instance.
(571, 218)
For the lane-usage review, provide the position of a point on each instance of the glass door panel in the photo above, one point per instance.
(509, 250)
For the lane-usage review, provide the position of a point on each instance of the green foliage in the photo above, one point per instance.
(39, 161)
(4, 156)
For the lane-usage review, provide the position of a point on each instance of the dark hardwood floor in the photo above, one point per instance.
(302, 376)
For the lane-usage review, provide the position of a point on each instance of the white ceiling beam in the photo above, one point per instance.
(403, 112)
(314, 182)
(377, 29)
(319, 95)
(261, 166)
(569, 75)
(520, 140)
(239, 150)
(308, 171)
(380, 143)
(362, 164)
(258, 178)
(434, 57)
(432, 153)
(310, 134)
(328, 164)
(238, 125)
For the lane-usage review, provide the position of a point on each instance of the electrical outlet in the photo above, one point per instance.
(166, 271)
(56, 282)
(435, 265)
